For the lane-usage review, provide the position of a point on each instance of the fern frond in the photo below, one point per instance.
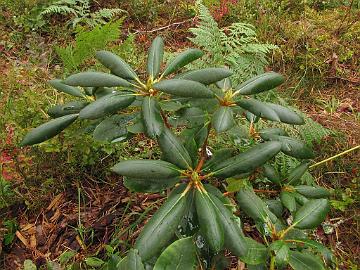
(236, 46)
(108, 13)
(55, 9)
(87, 43)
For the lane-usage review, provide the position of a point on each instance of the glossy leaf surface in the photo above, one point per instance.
(182, 59)
(209, 221)
(271, 174)
(258, 108)
(179, 255)
(313, 192)
(131, 262)
(173, 150)
(295, 174)
(48, 130)
(223, 119)
(62, 87)
(311, 214)
(184, 88)
(288, 200)
(207, 75)
(146, 169)
(152, 119)
(161, 227)
(234, 238)
(107, 105)
(95, 79)
(286, 115)
(155, 57)
(112, 128)
(248, 160)
(260, 83)
(256, 254)
(149, 184)
(304, 261)
(116, 64)
(253, 206)
(72, 107)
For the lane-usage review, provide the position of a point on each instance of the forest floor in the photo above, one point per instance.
(60, 205)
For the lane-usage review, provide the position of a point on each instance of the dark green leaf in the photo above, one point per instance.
(173, 150)
(194, 116)
(161, 227)
(253, 206)
(252, 118)
(149, 184)
(286, 115)
(224, 84)
(234, 238)
(276, 207)
(48, 130)
(207, 75)
(269, 133)
(217, 193)
(218, 156)
(146, 169)
(304, 261)
(155, 57)
(271, 174)
(295, 175)
(72, 107)
(62, 87)
(107, 105)
(300, 199)
(209, 221)
(153, 121)
(288, 200)
(116, 64)
(171, 106)
(223, 119)
(134, 261)
(256, 253)
(295, 148)
(94, 262)
(311, 214)
(182, 59)
(95, 79)
(137, 126)
(282, 255)
(100, 92)
(258, 108)
(179, 255)
(184, 88)
(260, 83)
(324, 251)
(112, 128)
(131, 262)
(247, 161)
(313, 192)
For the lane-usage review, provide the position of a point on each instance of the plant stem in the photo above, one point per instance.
(272, 263)
(333, 157)
(265, 191)
(203, 154)
(286, 231)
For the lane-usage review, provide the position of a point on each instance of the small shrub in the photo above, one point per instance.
(80, 12)
(198, 222)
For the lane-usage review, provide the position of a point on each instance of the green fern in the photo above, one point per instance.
(235, 46)
(312, 132)
(81, 13)
(86, 43)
